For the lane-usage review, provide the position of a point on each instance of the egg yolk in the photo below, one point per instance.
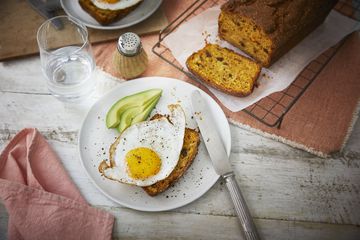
(110, 1)
(142, 163)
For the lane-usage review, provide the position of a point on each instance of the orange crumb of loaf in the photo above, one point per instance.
(253, 41)
(224, 70)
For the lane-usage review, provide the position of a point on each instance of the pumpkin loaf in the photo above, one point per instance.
(224, 70)
(267, 29)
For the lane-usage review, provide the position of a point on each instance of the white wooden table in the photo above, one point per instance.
(291, 194)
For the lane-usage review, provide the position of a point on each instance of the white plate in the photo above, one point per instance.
(142, 12)
(95, 140)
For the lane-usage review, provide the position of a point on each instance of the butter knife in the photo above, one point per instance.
(221, 163)
(47, 10)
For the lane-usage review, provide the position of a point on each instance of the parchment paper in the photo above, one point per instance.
(190, 37)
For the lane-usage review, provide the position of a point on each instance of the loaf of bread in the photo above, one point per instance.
(267, 29)
(187, 156)
(224, 70)
(105, 16)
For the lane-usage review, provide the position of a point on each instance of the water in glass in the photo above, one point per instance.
(66, 58)
(69, 71)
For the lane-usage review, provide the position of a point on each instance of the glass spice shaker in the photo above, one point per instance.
(130, 60)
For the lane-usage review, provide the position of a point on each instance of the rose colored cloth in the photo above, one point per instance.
(41, 199)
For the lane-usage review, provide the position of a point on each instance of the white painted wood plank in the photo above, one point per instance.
(318, 190)
(44, 112)
(321, 190)
(131, 224)
(23, 75)
(18, 111)
(185, 226)
(58, 120)
(11, 75)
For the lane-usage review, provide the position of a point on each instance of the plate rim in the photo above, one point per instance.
(99, 26)
(144, 209)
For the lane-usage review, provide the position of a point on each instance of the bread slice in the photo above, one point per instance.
(187, 156)
(105, 16)
(224, 70)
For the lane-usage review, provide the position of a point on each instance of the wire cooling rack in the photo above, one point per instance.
(272, 109)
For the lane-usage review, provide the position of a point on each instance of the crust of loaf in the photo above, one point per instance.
(105, 16)
(240, 86)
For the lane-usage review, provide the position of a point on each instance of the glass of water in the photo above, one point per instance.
(66, 58)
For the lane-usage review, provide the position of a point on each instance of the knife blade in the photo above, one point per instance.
(46, 11)
(210, 135)
(221, 163)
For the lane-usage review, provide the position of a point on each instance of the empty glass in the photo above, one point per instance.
(66, 58)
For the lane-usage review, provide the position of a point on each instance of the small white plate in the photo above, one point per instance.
(95, 140)
(142, 12)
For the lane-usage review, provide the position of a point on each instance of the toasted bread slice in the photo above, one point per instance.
(187, 156)
(224, 70)
(105, 16)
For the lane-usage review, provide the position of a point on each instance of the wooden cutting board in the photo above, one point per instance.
(19, 24)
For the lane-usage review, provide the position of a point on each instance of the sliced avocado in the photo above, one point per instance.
(130, 114)
(137, 99)
(126, 118)
(145, 114)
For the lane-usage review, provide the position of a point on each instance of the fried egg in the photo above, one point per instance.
(115, 4)
(148, 152)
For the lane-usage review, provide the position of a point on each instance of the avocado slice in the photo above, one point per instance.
(134, 100)
(145, 114)
(139, 113)
(126, 118)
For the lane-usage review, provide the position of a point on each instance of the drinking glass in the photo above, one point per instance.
(66, 58)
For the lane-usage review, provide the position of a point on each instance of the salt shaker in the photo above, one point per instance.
(130, 59)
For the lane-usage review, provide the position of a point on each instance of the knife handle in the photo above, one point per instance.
(241, 208)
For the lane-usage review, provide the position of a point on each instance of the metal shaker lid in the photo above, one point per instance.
(129, 44)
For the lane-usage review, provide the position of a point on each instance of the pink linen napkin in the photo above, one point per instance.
(41, 199)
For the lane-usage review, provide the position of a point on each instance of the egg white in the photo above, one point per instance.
(164, 137)
(122, 4)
